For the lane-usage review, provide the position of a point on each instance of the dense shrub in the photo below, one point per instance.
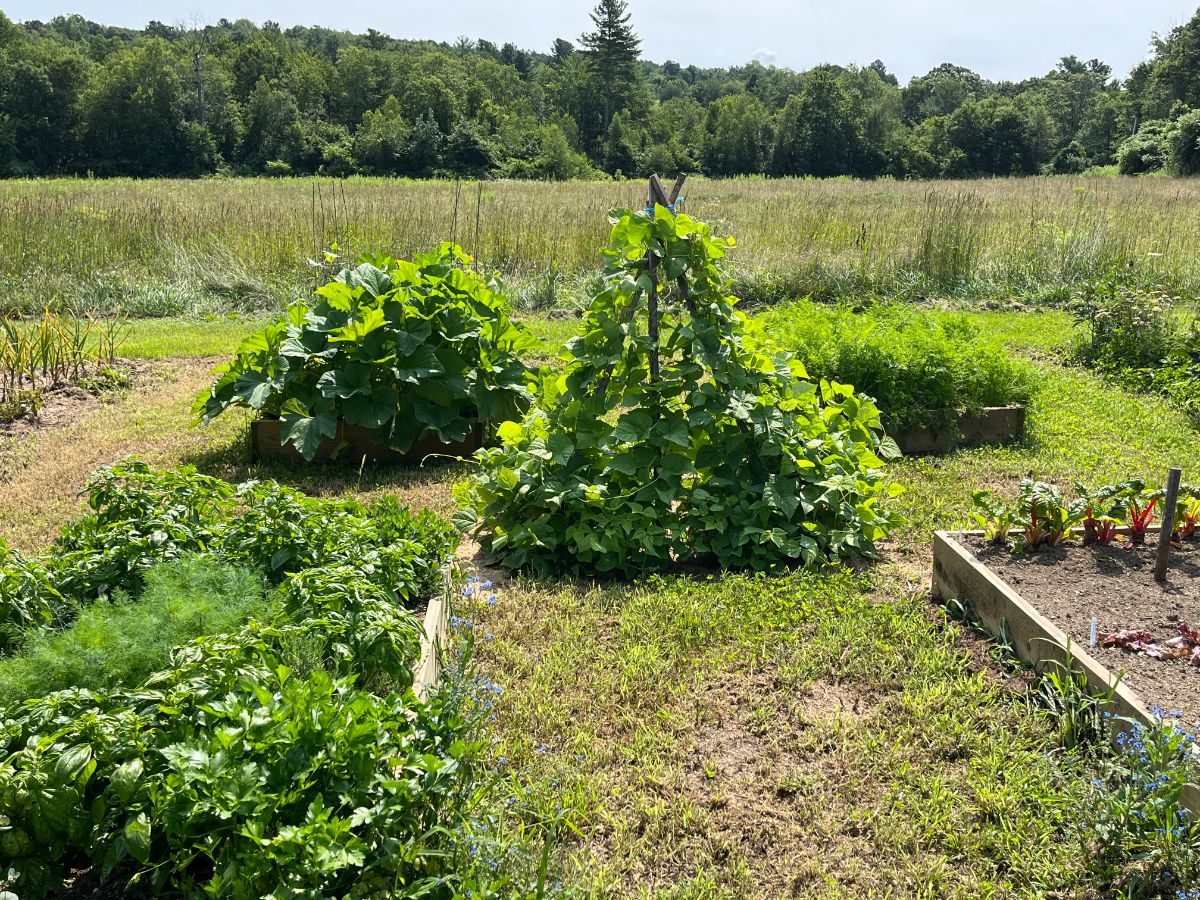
(403, 349)
(1145, 151)
(1140, 339)
(700, 442)
(1183, 145)
(123, 642)
(910, 362)
(1125, 327)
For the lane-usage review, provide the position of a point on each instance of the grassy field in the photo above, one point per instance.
(736, 738)
(170, 248)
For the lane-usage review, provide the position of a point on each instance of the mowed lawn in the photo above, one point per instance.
(807, 735)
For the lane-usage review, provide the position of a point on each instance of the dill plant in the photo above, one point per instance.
(123, 642)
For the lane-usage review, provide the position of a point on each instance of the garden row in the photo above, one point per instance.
(53, 351)
(207, 687)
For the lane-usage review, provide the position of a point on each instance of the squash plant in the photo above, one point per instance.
(403, 349)
(678, 433)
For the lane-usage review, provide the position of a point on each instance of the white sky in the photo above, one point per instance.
(1012, 39)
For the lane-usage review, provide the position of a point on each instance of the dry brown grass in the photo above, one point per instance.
(44, 468)
(47, 467)
(157, 246)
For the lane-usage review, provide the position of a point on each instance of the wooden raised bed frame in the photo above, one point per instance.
(353, 442)
(959, 575)
(992, 425)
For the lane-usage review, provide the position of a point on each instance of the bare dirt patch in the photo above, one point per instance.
(764, 769)
(45, 468)
(64, 404)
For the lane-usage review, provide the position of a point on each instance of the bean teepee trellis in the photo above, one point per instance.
(676, 431)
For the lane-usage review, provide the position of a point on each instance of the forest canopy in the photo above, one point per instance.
(244, 99)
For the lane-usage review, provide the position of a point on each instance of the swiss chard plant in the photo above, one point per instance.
(1140, 512)
(1042, 515)
(403, 349)
(1039, 515)
(678, 433)
(994, 515)
(1102, 510)
(1187, 512)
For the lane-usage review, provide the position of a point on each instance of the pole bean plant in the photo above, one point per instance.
(677, 433)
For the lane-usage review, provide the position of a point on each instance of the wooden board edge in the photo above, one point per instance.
(958, 574)
(433, 640)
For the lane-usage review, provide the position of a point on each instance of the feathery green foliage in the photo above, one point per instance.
(121, 643)
(912, 364)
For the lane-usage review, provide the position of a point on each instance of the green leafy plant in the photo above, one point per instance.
(140, 517)
(679, 433)
(1126, 327)
(1039, 513)
(123, 642)
(282, 751)
(1187, 512)
(1042, 515)
(28, 596)
(1076, 712)
(1140, 512)
(913, 364)
(1102, 510)
(230, 776)
(994, 515)
(1138, 836)
(402, 349)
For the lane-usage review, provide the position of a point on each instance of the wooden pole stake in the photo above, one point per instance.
(1168, 525)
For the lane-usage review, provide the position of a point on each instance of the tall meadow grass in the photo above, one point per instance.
(215, 245)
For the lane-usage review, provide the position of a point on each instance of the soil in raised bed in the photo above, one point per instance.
(1115, 583)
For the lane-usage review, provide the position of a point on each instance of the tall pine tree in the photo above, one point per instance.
(612, 55)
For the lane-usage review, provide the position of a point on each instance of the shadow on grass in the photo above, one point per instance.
(234, 462)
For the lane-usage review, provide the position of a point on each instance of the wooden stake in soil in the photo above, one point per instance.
(1168, 525)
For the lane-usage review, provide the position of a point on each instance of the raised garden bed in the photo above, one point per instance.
(993, 425)
(353, 442)
(1043, 602)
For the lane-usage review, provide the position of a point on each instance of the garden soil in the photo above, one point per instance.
(1115, 583)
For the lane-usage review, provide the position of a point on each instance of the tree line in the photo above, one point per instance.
(238, 98)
